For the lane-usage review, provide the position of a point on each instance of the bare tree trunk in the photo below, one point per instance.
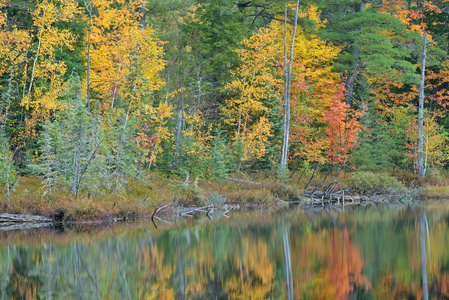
(120, 147)
(179, 121)
(8, 166)
(89, 10)
(350, 84)
(116, 81)
(179, 107)
(421, 171)
(287, 81)
(286, 100)
(25, 72)
(37, 55)
(142, 16)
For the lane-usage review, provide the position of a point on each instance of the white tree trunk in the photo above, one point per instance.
(421, 111)
(89, 10)
(287, 81)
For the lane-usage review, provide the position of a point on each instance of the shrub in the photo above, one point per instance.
(369, 182)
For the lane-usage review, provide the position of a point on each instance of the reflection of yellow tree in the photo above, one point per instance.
(255, 277)
(161, 289)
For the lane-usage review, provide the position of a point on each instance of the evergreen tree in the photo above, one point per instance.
(374, 44)
(70, 142)
(220, 156)
(8, 175)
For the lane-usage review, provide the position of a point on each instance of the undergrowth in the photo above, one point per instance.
(140, 197)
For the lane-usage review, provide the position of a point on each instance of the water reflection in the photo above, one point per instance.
(365, 253)
(422, 243)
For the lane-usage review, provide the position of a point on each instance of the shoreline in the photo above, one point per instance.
(146, 198)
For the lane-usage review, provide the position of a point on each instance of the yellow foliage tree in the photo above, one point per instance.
(314, 87)
(30, 56)
(42, 99)
(125, 59)
(253, 83)
(198, 142)
(436, 147)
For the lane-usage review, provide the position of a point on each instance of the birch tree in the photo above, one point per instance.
(287, 82)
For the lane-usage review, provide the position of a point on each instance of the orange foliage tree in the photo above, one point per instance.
(343, 127)
(323, 128)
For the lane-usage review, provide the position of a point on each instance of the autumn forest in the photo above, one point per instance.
(94, 93)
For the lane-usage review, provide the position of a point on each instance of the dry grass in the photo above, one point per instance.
(29, 199)
(436, 192)
(263, 189)
(61, 205)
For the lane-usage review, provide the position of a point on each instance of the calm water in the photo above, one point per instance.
(365, 253)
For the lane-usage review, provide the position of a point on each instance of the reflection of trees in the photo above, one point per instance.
(278, 259)
(176, 263)
(328, 264)
(398, 247)
(4, 265)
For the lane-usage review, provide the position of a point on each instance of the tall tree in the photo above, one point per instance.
(252, 85)
(375, 43)
(287, 82)
(421, 170)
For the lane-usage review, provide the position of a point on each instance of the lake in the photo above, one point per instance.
(365, 252)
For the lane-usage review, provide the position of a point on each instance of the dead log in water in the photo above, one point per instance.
(14, 218)
(22, 226)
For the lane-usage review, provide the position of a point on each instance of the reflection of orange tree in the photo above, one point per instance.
(441, 286)
(335, 279)
(439, 258)
(345, 265)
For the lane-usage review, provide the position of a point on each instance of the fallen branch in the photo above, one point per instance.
(209, 210)
(159, 209)
(195, 209)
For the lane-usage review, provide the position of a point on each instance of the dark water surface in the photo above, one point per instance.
(364, 253)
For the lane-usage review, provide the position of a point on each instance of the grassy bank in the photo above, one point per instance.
(140, 197)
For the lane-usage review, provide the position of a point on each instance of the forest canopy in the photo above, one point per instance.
(93, 92)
